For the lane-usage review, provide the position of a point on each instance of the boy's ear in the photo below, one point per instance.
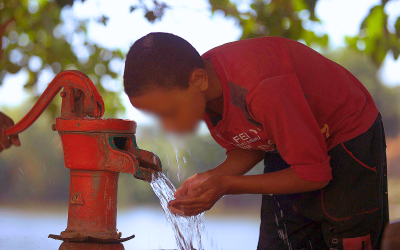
(199, 78)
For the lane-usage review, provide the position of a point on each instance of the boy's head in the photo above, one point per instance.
(165, 75)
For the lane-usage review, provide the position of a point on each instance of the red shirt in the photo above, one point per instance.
(281, 95)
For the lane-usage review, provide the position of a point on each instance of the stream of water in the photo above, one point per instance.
(187, 229)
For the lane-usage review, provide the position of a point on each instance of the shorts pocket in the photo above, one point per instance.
(354, 189)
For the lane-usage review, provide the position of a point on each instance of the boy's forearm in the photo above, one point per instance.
(238, 162)
(280, 182)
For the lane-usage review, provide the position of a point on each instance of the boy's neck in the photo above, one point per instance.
(214, 94)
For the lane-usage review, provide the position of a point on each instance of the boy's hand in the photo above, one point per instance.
(201, 198)
(190, 184)
(6, 142)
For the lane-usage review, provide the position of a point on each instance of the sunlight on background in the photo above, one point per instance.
(233, 228)
(192, 21)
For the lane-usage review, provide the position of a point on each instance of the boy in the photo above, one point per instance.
(314, 124)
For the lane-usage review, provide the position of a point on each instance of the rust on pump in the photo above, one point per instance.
(95, 150)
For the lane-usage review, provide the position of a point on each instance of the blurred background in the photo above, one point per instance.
(40, 38)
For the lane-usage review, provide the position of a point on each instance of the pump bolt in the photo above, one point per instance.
(63, 94)
(53, 127)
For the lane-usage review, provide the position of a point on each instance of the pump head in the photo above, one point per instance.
(82, 107)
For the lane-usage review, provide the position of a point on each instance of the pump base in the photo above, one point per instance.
(90, 246)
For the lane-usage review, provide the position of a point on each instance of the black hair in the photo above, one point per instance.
(159, 60)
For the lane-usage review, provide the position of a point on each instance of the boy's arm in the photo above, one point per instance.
(238, 162)
(284, 181)
(204, 196)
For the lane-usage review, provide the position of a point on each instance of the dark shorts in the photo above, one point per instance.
(348, 214)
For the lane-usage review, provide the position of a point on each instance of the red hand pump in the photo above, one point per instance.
(95, 150)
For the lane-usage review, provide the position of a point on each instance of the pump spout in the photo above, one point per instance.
(149, 163)
(141, 163)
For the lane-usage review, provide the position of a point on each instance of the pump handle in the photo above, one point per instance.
(80, 99)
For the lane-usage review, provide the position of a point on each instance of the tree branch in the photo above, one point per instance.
(2, 30)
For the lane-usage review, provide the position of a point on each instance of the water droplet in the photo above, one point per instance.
(184, 159)
(177, 162)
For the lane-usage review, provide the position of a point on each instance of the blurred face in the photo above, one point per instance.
(179, 110)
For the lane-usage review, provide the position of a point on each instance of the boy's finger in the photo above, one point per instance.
(186, 201)
(182, 210)
(191, 210)
(4, 141)
(175, 211)
(181, 191)
(15, 140)
(8, 121)
(199, 190)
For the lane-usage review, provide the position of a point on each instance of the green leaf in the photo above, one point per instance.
(397, 27)
(299, 5)
(62, 3)
(311, 7)
(375, 21)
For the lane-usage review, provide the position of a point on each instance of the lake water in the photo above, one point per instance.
(23, 230)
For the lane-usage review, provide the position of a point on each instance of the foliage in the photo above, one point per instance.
(39, 37)
(276, 18)
(296, 19)
(375, 39)
(151, 14)
(386, 98)
(36, 39)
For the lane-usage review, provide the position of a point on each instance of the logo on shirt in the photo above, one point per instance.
(245, 139)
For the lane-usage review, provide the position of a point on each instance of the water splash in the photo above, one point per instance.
(184, 159)
(187, 229)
